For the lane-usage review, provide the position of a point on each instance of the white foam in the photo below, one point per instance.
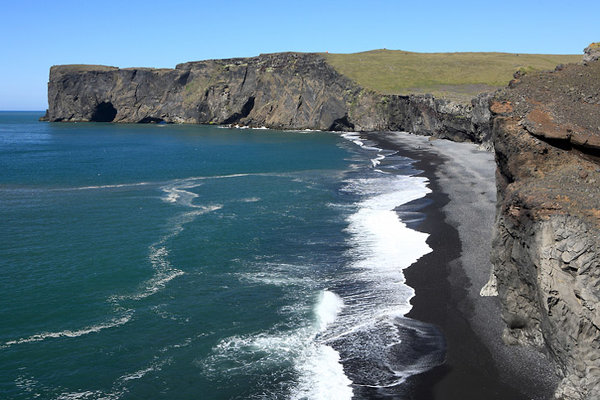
(356, 139)
(26, 384)
(142, 372)
(250, 200)
(171, 197)
(306, 130)
(158, 255)
(122, 320)
(377, 160)
(272, 279)
(81, 395)
(159, 361)
(177, 193)
(327, 309)
(320, 373)
(376, 297)
(322, 376)
(382, 245)
(175, 183)
(115, 186)
(277, 274)
(152, 286)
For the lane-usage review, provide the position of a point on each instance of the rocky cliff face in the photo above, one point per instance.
(591, 53)
(546, 250)
(281, 91)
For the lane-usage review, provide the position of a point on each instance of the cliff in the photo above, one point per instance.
(546, 252)
(280, 91)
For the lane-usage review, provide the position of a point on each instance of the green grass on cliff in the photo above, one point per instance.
(458, 76)
(84, 67)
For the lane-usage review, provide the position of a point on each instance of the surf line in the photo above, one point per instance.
(372, 329)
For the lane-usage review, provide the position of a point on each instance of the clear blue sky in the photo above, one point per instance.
(126, 33)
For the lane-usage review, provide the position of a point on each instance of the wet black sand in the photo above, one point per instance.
(458, 215)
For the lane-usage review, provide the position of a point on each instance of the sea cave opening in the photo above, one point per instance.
(104, 112)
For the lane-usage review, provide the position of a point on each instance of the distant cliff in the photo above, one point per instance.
(546, 251)
(280, 91)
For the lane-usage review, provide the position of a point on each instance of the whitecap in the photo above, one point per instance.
(327, 309)
(320, 373)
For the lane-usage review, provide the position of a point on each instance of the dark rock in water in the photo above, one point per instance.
(546, 250)
(281, 91)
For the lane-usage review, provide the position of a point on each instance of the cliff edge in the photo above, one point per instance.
(279, 91)
(546, 252)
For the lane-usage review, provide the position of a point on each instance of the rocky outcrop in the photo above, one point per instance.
(591, 53)
(280, 91)
(546, 250)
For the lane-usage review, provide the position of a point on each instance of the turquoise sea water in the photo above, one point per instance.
(198, 262)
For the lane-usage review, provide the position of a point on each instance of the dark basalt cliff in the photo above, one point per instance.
(280, 91)
(546, 250)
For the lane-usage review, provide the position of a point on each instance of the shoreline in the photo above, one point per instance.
(459, 216)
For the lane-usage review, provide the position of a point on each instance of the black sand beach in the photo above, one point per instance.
(459, 216)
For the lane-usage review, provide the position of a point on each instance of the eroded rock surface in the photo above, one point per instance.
(281, 91)
(546, 250)
(591, 53)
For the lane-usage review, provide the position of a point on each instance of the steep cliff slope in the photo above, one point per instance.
(546, 250)
(281, 91)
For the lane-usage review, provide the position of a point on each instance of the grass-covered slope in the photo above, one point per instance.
(457, 76)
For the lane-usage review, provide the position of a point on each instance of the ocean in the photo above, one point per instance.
(178, 262)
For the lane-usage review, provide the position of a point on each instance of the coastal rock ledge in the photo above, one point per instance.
(546, 252)
(279, 91)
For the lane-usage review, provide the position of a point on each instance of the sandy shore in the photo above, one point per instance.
(459, 218)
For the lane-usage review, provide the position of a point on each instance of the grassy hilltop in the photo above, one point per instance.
(457, 76)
